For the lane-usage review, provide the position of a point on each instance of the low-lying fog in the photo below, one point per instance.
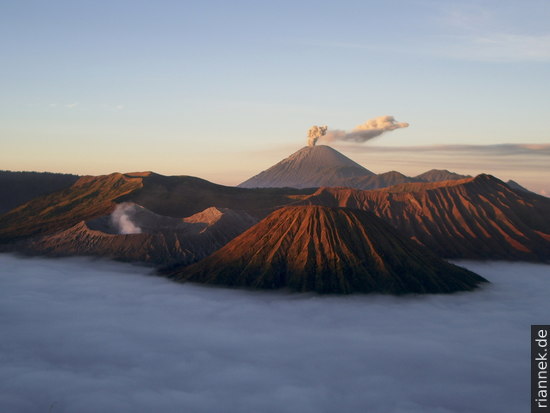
(82, 336)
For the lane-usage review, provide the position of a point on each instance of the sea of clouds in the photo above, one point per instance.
(81, 335)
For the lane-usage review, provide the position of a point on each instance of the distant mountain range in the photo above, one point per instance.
(316, 166)
(332, 238)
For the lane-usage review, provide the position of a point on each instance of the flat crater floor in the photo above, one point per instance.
(81, 335)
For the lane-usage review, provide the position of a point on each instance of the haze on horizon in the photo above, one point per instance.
(223, 91)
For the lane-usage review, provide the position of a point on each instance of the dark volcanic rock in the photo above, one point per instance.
(328, 250)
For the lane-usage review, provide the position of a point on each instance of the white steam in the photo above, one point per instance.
(368, 130)
(122, 221)
(314, 133)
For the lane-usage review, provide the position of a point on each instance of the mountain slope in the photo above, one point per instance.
(86, 198)
(173, 196)
(435, 175)
(516, 186)
(310, 167)
(477, 218)
(181, 196)
(162, 240)
(323, 166)
(19, 187)
(375, 181)
(328, 250)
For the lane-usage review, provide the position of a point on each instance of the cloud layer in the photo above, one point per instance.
(502, 149)
(87, 336)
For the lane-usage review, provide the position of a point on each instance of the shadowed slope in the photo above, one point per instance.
(514, 185)
(19, 187)
(375, 181)
(434, 175)
(87, 198)
(475, 218)
(173, 196)
(328, 250)
(163, 240)
(180, 196)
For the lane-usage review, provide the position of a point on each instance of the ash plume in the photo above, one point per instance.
(122, 221)
(367, 131)
(314, 133)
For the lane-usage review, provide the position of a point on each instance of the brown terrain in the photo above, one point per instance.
(173, 196)
(330, 239)
(89, 197)
(328, 250)
(162, 241)
(181, 196)
(477, 218)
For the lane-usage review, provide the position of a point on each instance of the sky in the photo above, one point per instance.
(82, 335)
(222, 90)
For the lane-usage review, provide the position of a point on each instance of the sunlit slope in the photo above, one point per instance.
(479, 217)
(328, 250)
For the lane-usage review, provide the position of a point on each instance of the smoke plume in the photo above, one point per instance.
(122, 221)
(314, 133)
(368, 130)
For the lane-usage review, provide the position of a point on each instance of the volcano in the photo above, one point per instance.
(328, 250)
(162, 240)
(322, 166)
(310, 167)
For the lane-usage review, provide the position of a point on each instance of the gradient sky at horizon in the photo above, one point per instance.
(222, 89)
